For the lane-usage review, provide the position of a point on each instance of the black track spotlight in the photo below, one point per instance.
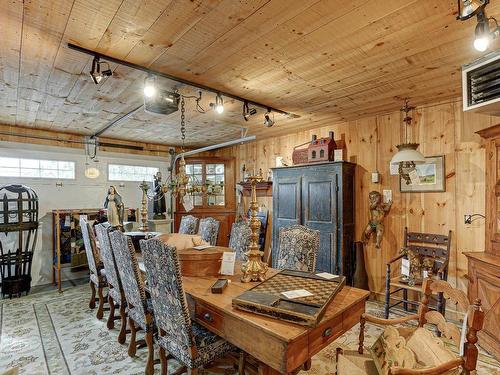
(218, 106)
(96, 73)
(268, 122)
(247, 112)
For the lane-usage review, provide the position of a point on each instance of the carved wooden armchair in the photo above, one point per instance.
(467, 362)
(434, 247)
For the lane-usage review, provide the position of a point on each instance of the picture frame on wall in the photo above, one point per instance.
(431, 176)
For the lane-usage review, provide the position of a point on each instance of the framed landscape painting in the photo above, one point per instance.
(429, 177)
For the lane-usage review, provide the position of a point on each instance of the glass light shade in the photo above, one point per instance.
(470, 8)
(92, 172)
(407, 152)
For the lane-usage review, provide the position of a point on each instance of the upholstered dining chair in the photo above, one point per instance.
(185, 340)
(188, 224)
(209, 230)
(297, 248)
(97, 279)
(116, 294)
(240, 239)
(139, 309)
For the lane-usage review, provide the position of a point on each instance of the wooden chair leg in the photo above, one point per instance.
(163, 361)
(362, 322)
(132, 348)
(122, 336)
(100, 310)
(111, 317)
(405, 299)
(241, 363)
(151, 355)
(92, 298)
(338, 352)
(192, 371)
(387, 291)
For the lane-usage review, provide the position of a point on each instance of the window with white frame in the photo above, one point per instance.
(36, 168)
(120, 172)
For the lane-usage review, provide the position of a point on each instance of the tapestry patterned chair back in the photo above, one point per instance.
(188, 224)
(89, 246)
(240, 239)
(163, 275)
(130, 275)
(209, 230)
(297, 248)
(108, 259)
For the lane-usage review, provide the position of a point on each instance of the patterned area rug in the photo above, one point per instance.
(57, 334)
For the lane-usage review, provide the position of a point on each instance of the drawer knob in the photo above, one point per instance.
(327, 332)
(208, 317)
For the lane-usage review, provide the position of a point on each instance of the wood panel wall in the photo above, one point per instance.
(441, 129)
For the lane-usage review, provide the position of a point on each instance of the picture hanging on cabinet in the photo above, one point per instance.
(427, 177)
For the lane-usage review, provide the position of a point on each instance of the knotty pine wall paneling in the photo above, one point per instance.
(441, 129)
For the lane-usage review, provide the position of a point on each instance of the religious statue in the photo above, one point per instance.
(378, 210)
(159, 205)
(115, 207)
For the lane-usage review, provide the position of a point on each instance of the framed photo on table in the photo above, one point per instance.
(431, 177)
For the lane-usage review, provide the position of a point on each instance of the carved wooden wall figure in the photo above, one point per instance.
(378, 210)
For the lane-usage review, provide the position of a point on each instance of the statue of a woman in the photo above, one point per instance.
(115, 207)
(159, 205)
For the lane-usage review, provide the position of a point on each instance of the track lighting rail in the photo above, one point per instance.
(176, 79)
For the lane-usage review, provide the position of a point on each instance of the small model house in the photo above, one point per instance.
(321, 149)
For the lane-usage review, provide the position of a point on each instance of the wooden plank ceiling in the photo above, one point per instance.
(325, 60)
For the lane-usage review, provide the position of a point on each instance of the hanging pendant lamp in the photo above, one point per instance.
(408, 155)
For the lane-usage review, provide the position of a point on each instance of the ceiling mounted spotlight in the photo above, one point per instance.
(483, 35)
(150, 86)
(218, 106)
(268, 122)
(96, 73)
(469, 8)
(247, 112)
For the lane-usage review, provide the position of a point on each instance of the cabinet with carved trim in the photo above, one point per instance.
(484, 267)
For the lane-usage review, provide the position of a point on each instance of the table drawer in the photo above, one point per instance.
(209, 317)
(324, 334)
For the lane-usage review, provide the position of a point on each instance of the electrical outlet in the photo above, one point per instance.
(467, 219)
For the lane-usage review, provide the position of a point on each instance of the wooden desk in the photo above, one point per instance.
(281, 347)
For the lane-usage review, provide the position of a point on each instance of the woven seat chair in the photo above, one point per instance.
(209, 230)
(298, 248)
(185, 340)
(188, 224)
(97, 278)
(240, 239)
(116, 294)
(139, 309)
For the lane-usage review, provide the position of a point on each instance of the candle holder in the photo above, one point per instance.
(254, 269)
(144, 207)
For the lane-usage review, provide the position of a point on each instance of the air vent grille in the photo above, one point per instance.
(481, 85)
(484, 83)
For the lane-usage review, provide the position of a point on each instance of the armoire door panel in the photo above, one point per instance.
(287, 207)
(319, 199)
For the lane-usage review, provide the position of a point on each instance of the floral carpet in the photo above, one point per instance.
(57, 334)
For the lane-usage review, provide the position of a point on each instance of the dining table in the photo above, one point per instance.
(279, 347)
